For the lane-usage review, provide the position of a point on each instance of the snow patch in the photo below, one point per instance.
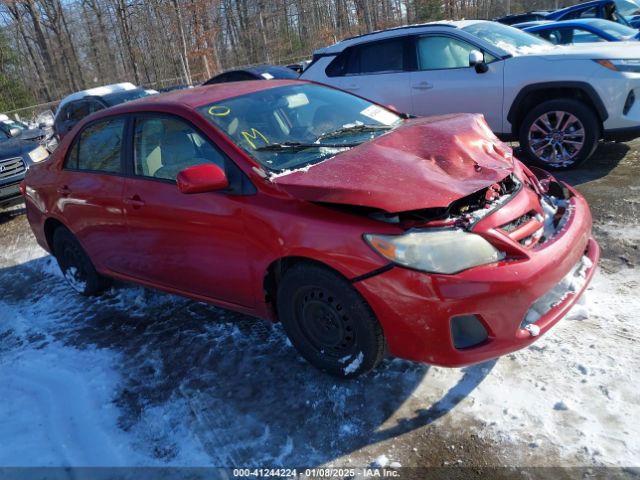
(57, 409)
(283, 173)
(524, 50)
(354, 365)
(382, 461)
(71, 275)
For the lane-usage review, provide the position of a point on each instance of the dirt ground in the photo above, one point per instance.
(186, 383)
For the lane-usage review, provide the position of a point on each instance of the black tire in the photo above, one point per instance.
(563, 139)
(76, 265)
(328, 321)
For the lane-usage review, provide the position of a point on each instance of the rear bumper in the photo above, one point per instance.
(415, 309)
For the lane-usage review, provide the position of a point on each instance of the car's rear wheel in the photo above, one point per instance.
(559, 134)
(328, 321)
(76, 265)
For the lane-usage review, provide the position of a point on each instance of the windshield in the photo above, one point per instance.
(507, 38)
(615, 29)
(627, 8)
(126, 96)
(295, 126)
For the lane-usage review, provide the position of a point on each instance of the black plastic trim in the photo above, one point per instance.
(583, 86)
(622, 134)
(373, 273)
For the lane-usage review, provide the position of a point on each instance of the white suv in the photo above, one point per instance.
(558, 101)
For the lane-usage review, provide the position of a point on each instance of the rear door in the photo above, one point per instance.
(445, 83)
(194, 243)
(90, 191)
(377, 71)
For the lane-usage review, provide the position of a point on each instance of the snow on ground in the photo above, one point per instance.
(137, 377)
(575, 388)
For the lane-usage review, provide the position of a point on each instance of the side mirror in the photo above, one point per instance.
(202, 178)
(15, 132)
(476, 59)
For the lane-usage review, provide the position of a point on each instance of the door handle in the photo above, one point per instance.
(352, 87)
(135, 201)
(64, 190)
(423, 86)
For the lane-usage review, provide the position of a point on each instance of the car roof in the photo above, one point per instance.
(197, 96)
(275, 71)
(97, 92)
(580, 6)
(596, 22)
(396, 31)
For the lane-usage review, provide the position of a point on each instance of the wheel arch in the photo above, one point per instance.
(535, 94)
(276, 271)
(50, 226)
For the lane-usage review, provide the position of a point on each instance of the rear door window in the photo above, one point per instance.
(77, 111)
(591, 12)
(377, 57)
(98, 148)
(94, 106)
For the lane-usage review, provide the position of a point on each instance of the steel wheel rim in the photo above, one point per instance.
(325, 323)
(556, 138)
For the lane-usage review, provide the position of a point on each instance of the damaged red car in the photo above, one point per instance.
(359, 229)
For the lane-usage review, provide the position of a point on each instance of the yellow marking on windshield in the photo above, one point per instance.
(254, 136)
(219, 111)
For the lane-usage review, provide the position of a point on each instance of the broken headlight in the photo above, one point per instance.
(436, 251)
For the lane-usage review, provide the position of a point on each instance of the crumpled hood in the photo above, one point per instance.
(426, 163)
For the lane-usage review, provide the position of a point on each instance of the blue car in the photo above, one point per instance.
(586, 30)
(624, 12)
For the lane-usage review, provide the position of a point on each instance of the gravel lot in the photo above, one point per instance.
(138, 377)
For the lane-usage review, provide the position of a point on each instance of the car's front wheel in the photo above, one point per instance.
(559, 134)
(76, 265)
(328, 321)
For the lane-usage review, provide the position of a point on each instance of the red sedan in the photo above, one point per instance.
(359, 229)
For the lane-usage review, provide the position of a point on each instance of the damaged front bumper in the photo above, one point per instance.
(422, 313)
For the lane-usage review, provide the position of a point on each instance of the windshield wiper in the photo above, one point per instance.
(297, 146)
(354, 129)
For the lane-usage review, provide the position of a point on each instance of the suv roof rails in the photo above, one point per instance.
(403, 27)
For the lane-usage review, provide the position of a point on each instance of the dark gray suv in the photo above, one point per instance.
(16, 155)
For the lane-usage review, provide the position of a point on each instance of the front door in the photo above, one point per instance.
(194, 243)
(445, 83)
